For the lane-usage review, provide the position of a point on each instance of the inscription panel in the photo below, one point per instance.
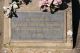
(38, 26)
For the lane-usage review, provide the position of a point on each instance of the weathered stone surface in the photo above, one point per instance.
(40, 50)
(1, 23)
(38, 26)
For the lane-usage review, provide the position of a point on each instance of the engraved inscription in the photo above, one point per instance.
(38, 26)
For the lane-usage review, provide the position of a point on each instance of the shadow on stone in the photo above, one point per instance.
(76, 18)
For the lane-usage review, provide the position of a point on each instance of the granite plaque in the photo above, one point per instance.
(38, 26)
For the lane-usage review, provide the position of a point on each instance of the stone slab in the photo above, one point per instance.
(38, 26)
